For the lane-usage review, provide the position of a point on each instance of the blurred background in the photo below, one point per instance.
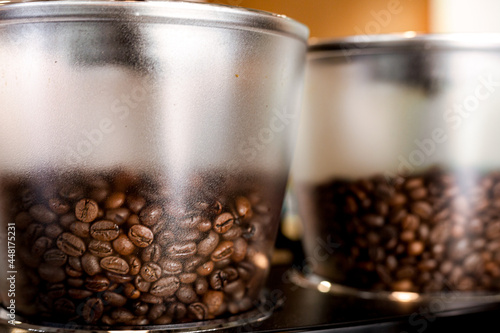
(341, 18)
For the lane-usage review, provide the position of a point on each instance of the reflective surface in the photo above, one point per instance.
(396, 168)
(145, 148)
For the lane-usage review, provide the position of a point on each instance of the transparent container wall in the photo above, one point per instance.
(396, 168)
(144, 152)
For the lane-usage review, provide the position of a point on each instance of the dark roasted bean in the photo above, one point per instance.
(86, 210)
(224, 250)
(115, 265)
(177, 310)
(181, 250)
(151, 272)
(55, 257)
(150, 215)
(117, 215)
(79, 293)
(208, 245)
(80, 229)
(141, 284)
(198, 311)
(223, 223)
(213, 300)
(42, 214)
(151, 253)
(123, 245)
(97, 283)
(104, 230)
(100, 248)
(135, 264)
(165, 287)
(115, 200)
(186, 294)
(170, 267)
(114, 299)
(71, 244)
(40, 246)
(140, 235)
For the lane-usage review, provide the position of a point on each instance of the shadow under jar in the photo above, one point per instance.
(397, 170)
(140, 183)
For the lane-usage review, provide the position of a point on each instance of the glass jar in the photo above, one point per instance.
(397, 171)
(145, 148)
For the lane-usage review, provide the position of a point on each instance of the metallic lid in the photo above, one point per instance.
(172, 12)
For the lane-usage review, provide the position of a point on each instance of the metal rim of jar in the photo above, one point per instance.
(410, 41)
(163, 11)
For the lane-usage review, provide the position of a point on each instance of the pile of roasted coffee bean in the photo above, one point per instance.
(123, 249)
(430, 232)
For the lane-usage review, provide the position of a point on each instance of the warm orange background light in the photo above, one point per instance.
(338, 18)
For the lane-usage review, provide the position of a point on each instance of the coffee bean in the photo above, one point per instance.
(208, 245)
(135, 203)
(177, 310)
(115, 265)
(165, 287)
(181, 250)
(206, 268)
(140, 235)
(157, 311)
(131, 292)
(201, 285)
(55, 257)
(71, 244)
(213, 300)
(40, 246)
(77, 294)
(141, 284)
(100, 248)
(163, 320)
(123, 245)
(416, 248)
(117, 215)
(53, 230)
(188, 278)
(243, 207)
(151, 272)
(171, 267)
(115, 200)
(72, 272)
(198, 311)
(233, 233)
(122, 315)
(104, 230)
(151, 253)
(64, 307)
(236, 289)
(135, 265)
(97, 283)
(218, 280)
(114, 299)
(204, 224)
(223, 223)
(223, 251)
(56, 290)
(86, 210)
(59, 206)
(80, 229)
(140, 308)
(42, 214)
(239, 250)
(150, 215)
(151, 299)
(186, 294)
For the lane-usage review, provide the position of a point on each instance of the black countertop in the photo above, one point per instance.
(308, 310)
